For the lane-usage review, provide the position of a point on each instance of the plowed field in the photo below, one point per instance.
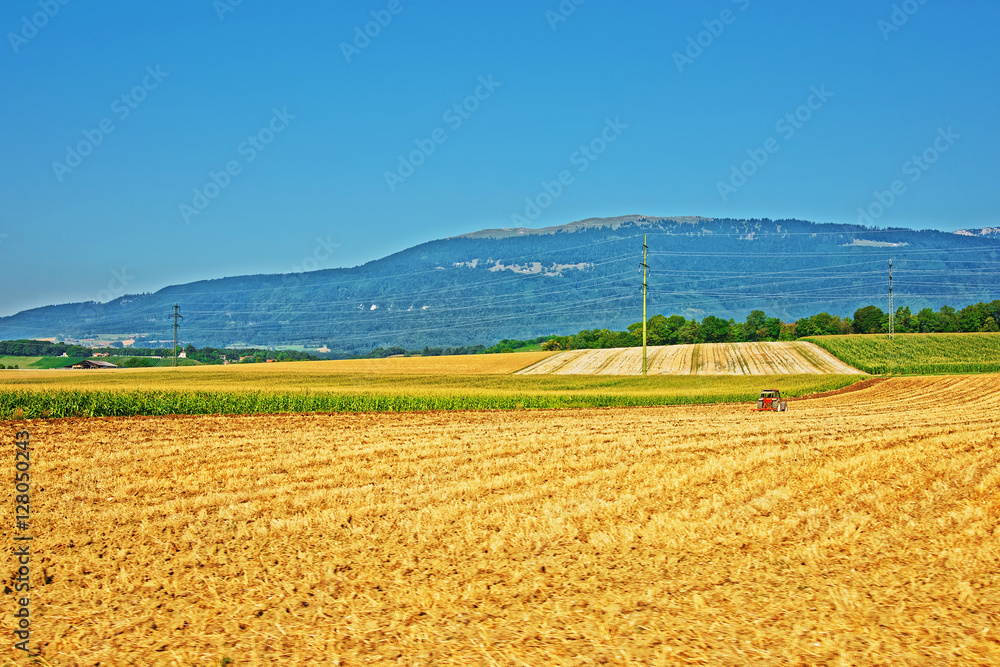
(860, 528)
(703, 359)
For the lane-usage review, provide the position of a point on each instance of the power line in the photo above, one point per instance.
(645, 288)
(176, 315)
(892, 311)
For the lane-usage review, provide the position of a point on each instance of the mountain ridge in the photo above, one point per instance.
(488, 285)
(588, 223)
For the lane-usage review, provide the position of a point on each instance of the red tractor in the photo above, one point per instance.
(770, 400)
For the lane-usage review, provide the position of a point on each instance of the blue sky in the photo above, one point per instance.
(150, 144)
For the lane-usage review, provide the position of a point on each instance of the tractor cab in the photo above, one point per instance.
(770, 400)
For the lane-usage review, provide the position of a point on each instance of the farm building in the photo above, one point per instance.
(88, 363)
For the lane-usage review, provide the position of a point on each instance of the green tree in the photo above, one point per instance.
(821, 324)
(972, 317)
(738, 331)
(868, 320)
(993, 312)
(947, 320)
(905, 322)
(715, 330)
(773, 327)
(689, 333)
(756, 326)
(656, 331)
(804, 327)
(674, 324)
(927, 321)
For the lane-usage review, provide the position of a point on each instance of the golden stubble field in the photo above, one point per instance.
(860, 528)
(761, 358)
(285, 376)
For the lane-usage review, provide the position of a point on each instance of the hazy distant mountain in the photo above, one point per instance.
(522, 283)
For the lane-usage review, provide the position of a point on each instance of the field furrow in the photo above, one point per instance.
(762, 358)
(858, 527)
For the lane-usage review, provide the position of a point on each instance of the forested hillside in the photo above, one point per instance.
(497, 284)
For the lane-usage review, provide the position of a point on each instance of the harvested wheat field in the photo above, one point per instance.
(299, 375)
(796, 357)
(855, 529)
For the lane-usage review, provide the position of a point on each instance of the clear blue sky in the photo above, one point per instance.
(309, 127)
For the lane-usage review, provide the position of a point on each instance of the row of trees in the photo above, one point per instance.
(395, 351)
(140, 356)
(212, 355)
(975, 317)
(509, 344)
(40, 348)
(676, 329)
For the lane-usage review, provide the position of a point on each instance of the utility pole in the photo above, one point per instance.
(892, 310)
(176, 314)
(645, 287)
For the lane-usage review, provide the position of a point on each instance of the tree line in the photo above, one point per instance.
(40, 348)
(678, 330)
(396, 351)
(141, 356)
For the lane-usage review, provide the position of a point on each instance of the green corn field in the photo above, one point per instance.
(916, 354)
(417, 394)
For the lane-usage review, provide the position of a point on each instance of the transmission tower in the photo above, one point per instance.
(892, 310)
(176, 315)
(645, 288)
